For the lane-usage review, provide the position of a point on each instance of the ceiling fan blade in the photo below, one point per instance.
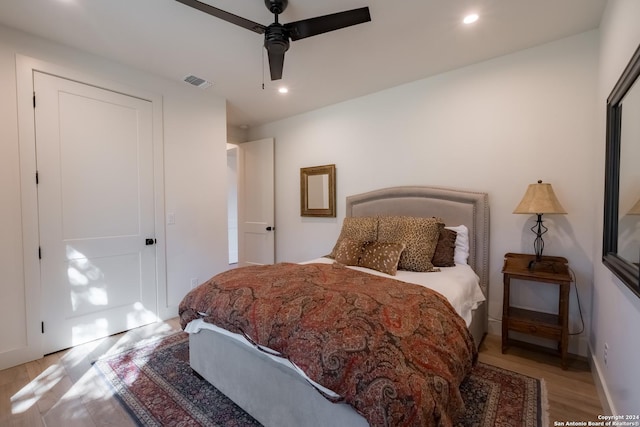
(276, 63)
(323, 24)
(226, 16)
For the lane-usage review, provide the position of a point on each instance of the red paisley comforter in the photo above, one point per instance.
(396, 352)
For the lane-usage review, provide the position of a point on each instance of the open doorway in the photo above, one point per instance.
(232, 202)
(250, 200)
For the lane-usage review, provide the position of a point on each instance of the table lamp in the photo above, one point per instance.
(539, 199)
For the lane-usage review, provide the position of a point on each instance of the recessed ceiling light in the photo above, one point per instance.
(283, 90)
(470, 19)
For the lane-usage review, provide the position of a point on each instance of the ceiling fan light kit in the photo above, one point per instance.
(278, 36)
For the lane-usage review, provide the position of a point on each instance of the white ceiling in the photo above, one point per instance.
(406, 40)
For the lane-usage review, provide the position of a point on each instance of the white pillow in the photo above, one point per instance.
(461, 252)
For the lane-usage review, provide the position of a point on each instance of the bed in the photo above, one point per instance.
(277, 392)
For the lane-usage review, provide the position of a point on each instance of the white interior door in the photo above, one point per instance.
(256, 193)
(96, 208)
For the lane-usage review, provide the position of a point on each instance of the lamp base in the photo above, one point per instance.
(538, 244)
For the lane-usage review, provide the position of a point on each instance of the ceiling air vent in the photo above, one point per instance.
(197, 81)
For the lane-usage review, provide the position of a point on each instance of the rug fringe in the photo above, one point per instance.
(544, 404)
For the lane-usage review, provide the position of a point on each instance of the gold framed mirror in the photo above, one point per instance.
(318, 191)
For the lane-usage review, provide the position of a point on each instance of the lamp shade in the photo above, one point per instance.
(539, 199)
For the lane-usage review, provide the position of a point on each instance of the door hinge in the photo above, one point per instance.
(34, 100)
(37, 178)
(39, 252)
(42, 326)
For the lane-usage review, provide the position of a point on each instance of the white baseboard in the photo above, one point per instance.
(495, 327)
(601, 386)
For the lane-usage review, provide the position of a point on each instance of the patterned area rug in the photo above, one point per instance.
(156, 385)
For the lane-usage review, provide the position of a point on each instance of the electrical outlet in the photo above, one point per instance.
(194, 282)
(606, 353)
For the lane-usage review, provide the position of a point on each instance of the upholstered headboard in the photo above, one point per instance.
(455, 207)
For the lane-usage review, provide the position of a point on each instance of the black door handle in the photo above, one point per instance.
(149, 242)
(270, 228)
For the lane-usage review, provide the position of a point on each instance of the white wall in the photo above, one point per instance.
(195, 190)
(496, 126)
(194, 134)
(616, 310)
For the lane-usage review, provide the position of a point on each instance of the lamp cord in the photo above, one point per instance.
(575, 284)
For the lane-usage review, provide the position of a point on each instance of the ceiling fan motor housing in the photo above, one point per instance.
(276, 39)
(276, 6)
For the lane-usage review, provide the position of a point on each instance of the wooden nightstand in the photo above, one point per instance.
(552, 270)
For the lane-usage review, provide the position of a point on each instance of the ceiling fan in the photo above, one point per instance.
(277, 36)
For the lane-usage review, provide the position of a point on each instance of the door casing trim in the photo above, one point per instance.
(25, 67)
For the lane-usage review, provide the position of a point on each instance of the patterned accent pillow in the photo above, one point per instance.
(445, 249)
(420, 236)
(349, 252)
(360, 229)
(382, 257)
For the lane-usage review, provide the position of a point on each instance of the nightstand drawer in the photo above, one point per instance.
(536, 329)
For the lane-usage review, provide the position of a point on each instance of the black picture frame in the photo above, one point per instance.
(626, 271)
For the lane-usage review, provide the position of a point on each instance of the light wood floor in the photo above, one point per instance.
(572, 393)
(62, 390)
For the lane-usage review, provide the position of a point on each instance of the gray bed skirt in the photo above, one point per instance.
(270, 392)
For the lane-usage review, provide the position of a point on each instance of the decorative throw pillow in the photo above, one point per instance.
(349, 252)
(358, 228)
(420, 236)
(382, 257)
(461, 255)
(445, 249)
